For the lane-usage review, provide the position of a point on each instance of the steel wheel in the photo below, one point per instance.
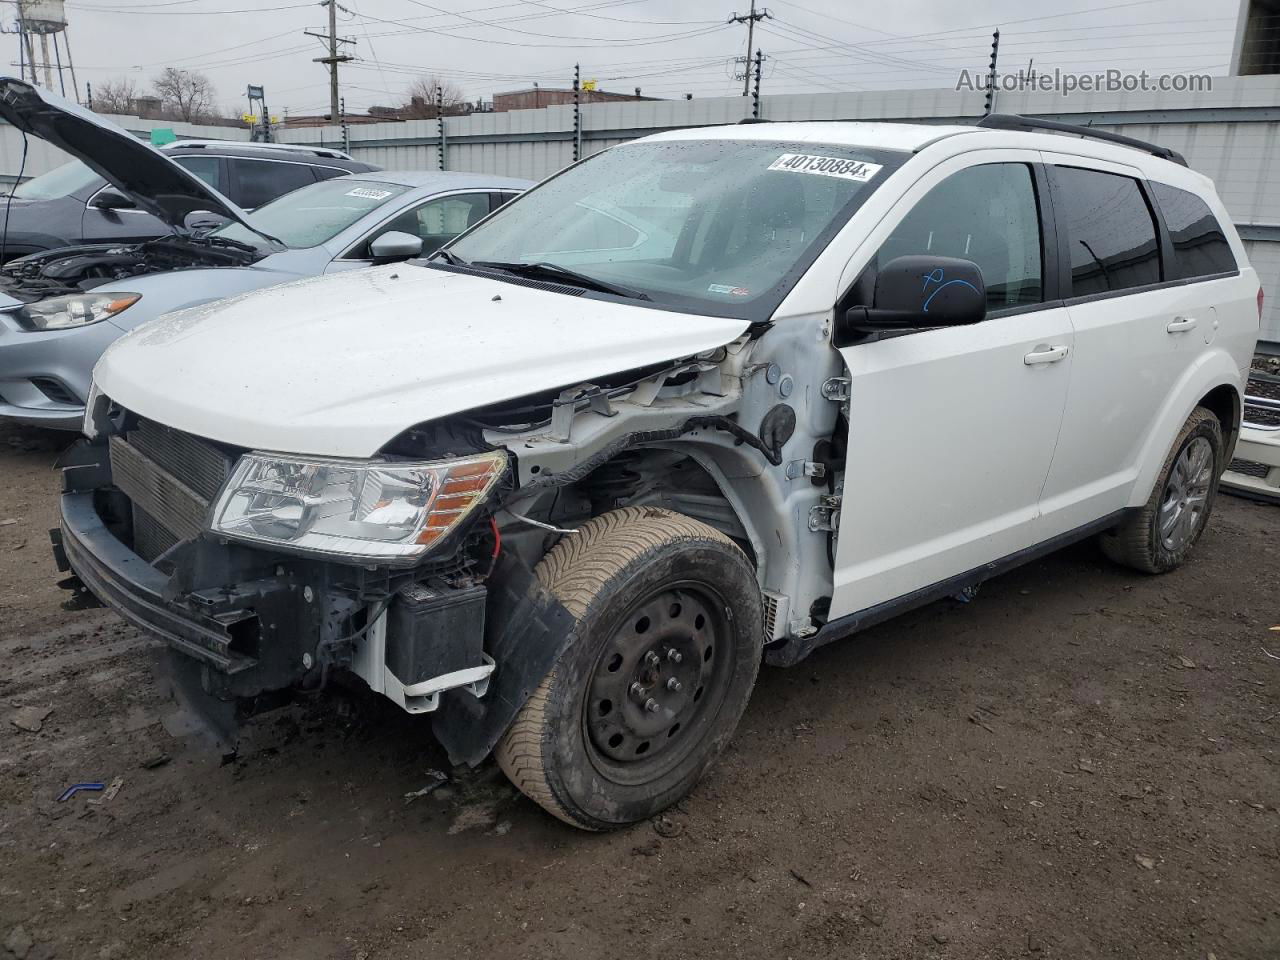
(1182, 504)
(661, 670)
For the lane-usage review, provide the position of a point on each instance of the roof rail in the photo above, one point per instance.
(1013, 121)
(257, 145)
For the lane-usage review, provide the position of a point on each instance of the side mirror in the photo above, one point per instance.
(202, 221)
(109, 198)
(395, 245)
(920, 291)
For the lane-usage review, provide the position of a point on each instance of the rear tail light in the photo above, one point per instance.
(1260, 299)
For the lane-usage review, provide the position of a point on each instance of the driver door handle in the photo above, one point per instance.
(1044, 353)
(1181, 325)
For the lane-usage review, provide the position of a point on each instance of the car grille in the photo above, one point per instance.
(1249, 468)
(170, 478)
(55, 390)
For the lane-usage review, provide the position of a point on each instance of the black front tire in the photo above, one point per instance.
(667, 647)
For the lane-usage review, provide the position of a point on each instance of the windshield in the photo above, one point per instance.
(716, 226)
(59, 182)
(313, 214)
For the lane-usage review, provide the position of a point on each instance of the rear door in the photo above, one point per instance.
(1136, 334)
(952, 431)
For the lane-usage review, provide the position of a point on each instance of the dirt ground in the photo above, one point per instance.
(1083, 762)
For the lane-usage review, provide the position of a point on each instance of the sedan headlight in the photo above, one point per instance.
(77, 310)
(357, 510)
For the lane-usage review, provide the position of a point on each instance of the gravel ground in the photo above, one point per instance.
(1082, 762)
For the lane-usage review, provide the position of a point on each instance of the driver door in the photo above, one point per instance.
(952, 430)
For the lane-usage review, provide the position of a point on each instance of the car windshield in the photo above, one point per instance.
(715, 226)
(59, 182)
(310, 215)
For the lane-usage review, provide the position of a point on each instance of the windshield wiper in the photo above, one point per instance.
(554, 271)
(450, 258)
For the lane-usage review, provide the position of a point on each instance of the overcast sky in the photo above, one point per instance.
(667, 47)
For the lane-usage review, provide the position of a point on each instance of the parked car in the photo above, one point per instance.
(75, 204)
(60, 309)
(566, 484)
(1255, 471)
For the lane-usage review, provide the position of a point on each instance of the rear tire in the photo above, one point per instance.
(667, 647)
(1161, 535)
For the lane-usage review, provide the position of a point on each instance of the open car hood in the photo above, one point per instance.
(149, 178)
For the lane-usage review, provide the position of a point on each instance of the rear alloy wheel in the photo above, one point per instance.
(1158, 537)
(666, 651)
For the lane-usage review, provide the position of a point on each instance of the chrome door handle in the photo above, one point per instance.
(1181, 325)
(1045, 354)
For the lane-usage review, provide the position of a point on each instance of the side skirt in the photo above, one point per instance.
(790, 653)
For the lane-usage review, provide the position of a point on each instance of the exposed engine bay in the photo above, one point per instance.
(71, 270)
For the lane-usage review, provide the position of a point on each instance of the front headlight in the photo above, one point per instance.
(77, 310)
(357, 510)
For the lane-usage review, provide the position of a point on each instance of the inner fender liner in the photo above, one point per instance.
(526, 630)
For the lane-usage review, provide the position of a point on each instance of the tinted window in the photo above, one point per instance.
(439, 221)
(986, 214)
(328, 173)
(1110, 233)
(263, 180)
(1200, 247)
(208, 169)
(58, 182)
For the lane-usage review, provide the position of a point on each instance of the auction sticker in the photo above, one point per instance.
(368, 193)
(857, 170)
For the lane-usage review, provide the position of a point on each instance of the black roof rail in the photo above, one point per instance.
(1013, 121)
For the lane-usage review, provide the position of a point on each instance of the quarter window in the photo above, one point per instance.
(208, 169)
(1200, 248)
(986, 214)
(1110, 233)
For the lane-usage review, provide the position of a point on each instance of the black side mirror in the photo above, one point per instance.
(919, 291)
(109, 198)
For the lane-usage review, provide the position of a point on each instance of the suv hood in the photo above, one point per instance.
(149, 178)
(341, 365)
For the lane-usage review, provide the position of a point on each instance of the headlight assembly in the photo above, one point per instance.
(361, 511)
(78, 310)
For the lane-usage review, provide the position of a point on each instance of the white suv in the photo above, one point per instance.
(707, 398)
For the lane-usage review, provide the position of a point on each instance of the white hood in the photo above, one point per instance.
(340, 365)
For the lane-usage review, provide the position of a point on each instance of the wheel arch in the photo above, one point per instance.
(1213, 381)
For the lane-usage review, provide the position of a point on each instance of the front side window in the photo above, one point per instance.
(208, 169)
(439, 221)
(314, 214)
(1110, 233)
(720, 226)
(986, 214)
(1200, 248)
(261, 181)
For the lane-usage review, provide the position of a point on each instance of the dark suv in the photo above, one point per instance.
(71, 204)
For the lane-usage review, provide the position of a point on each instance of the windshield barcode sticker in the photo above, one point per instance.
(368, 193)
(857, 170)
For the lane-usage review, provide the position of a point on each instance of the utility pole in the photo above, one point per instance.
(755, 93)
(991, 76)
(442, 146)
(333, 59)
(750, 20)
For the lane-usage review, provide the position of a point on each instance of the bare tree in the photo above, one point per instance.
(118, 95)
(420, 98)
(187, 94)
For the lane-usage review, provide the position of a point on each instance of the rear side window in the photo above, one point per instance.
(1200, 248)
(261, 181)
(1110, 233)
(208, 169)
(986, 214)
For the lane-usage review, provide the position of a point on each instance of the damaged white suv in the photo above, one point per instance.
(707, 398)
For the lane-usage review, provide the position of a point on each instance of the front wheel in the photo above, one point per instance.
(1158, 537)
(666, 650)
